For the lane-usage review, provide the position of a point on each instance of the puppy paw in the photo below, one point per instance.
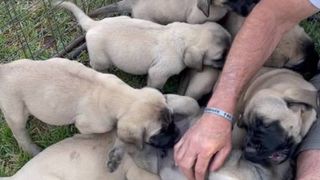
(33, 150)
(115, 157)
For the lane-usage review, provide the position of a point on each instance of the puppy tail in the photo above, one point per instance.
(121, 7)
(85, 21)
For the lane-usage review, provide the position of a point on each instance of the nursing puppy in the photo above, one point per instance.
(59, 92)
(142, 47)
(277, 110)
(82, 157)
(295, 51)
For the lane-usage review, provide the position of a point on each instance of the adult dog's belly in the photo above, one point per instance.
(76, 158)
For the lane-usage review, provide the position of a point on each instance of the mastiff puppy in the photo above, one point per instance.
(59, 92)
(143, 47)
(82, 157)
(295, 51)
(165, 12)
(277, 110)
(236, 167)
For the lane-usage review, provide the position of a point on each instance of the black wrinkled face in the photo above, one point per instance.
(166, 138)
(242, 7)
(308, 68)
(267, 143)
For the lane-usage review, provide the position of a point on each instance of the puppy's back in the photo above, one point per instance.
(55, 70)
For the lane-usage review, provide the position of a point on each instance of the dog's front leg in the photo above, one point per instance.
(17, 119)
(115, 155)
(157, 78)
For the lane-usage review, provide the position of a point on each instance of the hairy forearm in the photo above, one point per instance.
(255, 42)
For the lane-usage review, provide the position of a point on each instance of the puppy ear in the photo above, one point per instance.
(308, 118)
(131, 133)
(306, 98)
(182, 105)
(193, 58)
(302, 96)
(204, 6)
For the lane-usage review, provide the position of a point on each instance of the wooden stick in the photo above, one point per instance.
(76, 52)
(80, 40)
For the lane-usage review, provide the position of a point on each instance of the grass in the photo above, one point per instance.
(33, 29)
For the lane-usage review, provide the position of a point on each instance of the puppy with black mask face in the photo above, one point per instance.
(146, 157)
(277, 110)
(59, 92)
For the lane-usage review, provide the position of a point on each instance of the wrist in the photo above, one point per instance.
(217, 121)
(221, 113)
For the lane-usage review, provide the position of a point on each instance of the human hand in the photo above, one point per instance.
(209, 138)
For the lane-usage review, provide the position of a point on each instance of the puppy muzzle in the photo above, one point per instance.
(166, 138)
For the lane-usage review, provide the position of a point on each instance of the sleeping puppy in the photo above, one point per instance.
(82, 157)
(142, 47)
(295, 51)
(279, 106)
(59, 92)
(165, 12)
(236, 167)
(277, 110)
